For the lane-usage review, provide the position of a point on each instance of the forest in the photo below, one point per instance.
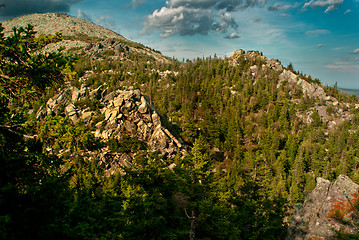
(250, 157)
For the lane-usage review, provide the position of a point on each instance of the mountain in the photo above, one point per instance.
(121, 142)
(351, 91)
(78, 33)
(50, 23)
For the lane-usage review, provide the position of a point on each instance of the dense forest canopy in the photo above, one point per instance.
(255, 145)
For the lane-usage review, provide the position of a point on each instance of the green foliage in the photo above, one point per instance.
(34, 190)
(269, 157)
(93, 104)
(25, 72)
(43, 39)
(126, 144)
(57, 132)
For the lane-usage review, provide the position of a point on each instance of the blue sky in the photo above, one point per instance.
(320, 37)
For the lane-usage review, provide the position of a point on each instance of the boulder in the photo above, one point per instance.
(96, 93)
(118, 102)
(143, 108)
(313, 90)
(41, 113)
(109, 97)
(311, 220)
(130, 127)
(75, 94)
(71, 112)
(87, 116)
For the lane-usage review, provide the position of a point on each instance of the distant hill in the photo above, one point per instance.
(79, 34)
(351, 91)
(50, 23)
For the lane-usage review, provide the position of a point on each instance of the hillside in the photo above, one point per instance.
(125, 143)
(78, 34)
(50, 23)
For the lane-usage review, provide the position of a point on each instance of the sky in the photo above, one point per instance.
(319, 37)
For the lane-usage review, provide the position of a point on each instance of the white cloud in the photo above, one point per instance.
(188, 21)
(227, 5)
(281, 7)
(137, 3)
(320, 45)
(225, 21)
(356, 51)
(188, 17)
(181, 20)
(343, 66)
(317, 32)
(81, 14)
(347, 11)
(106, 21)
(233, 36)
(330, 5)
(257, 20)
(191, 4)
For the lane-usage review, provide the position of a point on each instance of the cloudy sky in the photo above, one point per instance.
(320, 37)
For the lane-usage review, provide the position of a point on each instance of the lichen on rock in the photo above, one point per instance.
(312, 221)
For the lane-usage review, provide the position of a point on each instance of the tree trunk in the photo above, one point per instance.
(192, 234)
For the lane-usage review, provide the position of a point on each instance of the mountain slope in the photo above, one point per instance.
(330, 109)
(78, 34)
(256, 136)
(50, 23)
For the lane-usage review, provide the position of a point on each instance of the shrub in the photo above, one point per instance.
(341, 208)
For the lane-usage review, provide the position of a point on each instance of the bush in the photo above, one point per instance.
(126, 144)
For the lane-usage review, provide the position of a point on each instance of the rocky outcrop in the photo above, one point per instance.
(311, 220)
(331, 111)
(312, 90)
(325, 101)
(237, 56)
(111, 162)
(109, 47)
(118, 113)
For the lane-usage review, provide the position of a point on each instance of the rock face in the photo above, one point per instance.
(312, 90)
(119, 112)
(311, 221)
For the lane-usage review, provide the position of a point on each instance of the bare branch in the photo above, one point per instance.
(185, 211)
(5, 76)
(9, 128)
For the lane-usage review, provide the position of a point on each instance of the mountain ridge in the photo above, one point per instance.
(50, 23)
(78, 34)
(256, 135)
